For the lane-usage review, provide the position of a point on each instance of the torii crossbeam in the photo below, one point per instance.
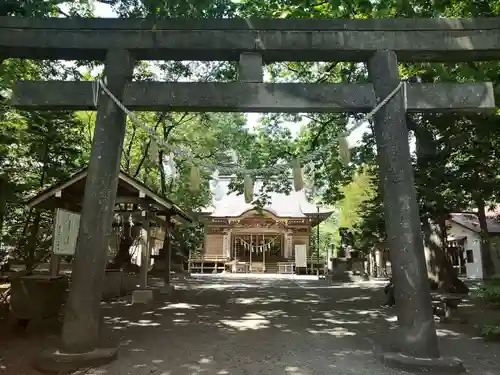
(412, 40)
(254, 97)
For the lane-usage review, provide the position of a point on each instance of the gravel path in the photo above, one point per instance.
(218, 326)
(249, 327)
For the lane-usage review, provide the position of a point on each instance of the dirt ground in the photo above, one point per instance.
(217, 325)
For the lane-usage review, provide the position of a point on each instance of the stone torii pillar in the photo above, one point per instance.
(81, 343)
(417, 332)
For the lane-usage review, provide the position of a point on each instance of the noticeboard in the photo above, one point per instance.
(300, 255)
(66, 228)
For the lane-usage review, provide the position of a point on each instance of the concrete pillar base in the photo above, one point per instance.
(430, 366)
(142, 296)
(167, 289)
(54, 361)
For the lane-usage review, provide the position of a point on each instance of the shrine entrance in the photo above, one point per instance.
(259, 240)
(257, 247)
(378, 43)
(262, 251)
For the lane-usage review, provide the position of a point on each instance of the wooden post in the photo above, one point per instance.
(263, 253)
(55, 260)
(168, 253)
(55, 265)
(189, 262)
(145, 241)
(402, 220)
(80, 331)
(251, 251)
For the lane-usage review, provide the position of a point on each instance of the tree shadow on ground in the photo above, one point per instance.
(248, 326)
(258, 318)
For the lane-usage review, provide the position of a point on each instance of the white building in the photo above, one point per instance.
(464, 233)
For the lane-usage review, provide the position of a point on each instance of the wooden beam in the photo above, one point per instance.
(133, 200)
(277, 40)
(253, 97)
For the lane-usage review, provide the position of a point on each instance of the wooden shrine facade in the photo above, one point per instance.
(240, 237)
(256, 241)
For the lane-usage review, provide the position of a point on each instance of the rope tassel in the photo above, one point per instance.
(298, 176)
(248, 188)
(153, 150)
(195, 179)
(344, 151)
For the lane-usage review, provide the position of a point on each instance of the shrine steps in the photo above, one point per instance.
(272, 267)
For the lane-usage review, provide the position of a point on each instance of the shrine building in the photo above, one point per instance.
(275, 238)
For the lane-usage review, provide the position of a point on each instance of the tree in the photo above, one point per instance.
(440, 183)
(37, 149)
(355, 195)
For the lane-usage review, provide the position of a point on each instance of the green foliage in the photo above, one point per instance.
(491, 331)
(370, 226)
(456, 170)
(37, 149)
(355, 194)
(350, 211)
(328, 232)
(490, 294)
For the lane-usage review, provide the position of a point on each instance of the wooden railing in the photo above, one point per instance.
(313, 259)
(213, 263)
(208, 258)
(218, 263)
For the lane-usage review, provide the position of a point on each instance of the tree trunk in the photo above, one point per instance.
(440, 271)
(486, 259)
(4, 257)
(31, 245)
(30, 260)
(3, 202)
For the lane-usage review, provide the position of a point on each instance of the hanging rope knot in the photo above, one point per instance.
(248, 188)
(95, 92)
(259, 44)
(195, 178)
(344, 150)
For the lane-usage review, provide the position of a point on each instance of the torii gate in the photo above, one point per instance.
(379, 42)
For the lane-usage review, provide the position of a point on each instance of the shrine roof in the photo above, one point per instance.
(470, 220)
(232, 204)
(69, 194)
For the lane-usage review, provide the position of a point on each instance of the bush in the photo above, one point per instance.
(489, 293)
(491, 332)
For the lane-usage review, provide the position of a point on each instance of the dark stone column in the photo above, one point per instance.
(413, 302)
(80, 332)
